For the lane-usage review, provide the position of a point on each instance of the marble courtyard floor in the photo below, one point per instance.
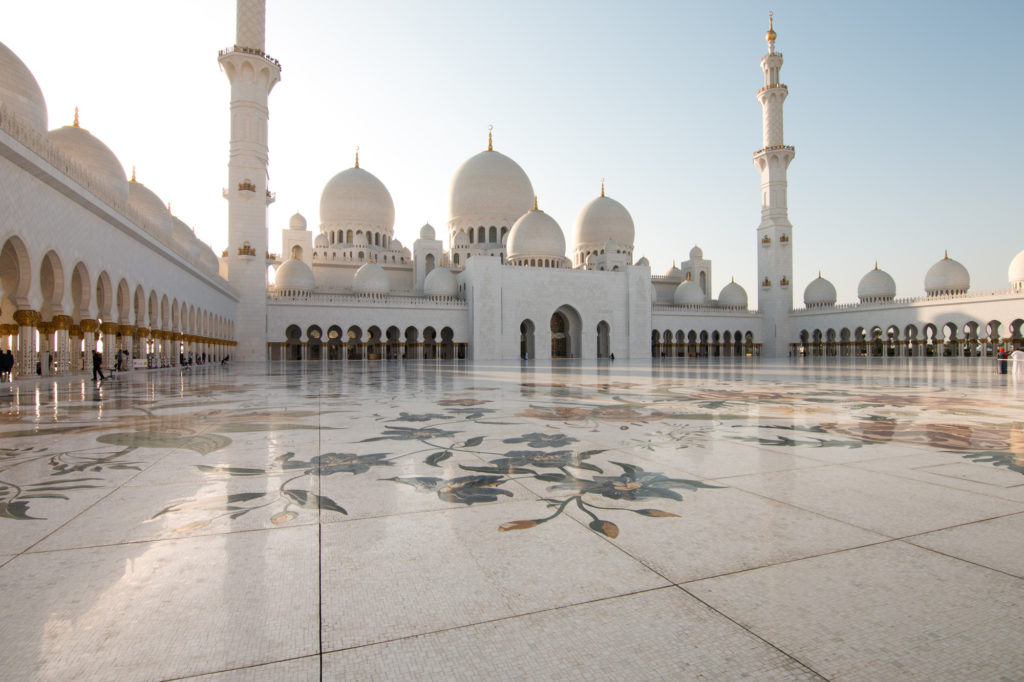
(768, 520)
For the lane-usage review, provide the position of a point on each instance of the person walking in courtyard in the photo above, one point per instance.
(97, 365)
(6, 365)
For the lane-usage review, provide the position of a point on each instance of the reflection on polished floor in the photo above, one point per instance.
(770, 520)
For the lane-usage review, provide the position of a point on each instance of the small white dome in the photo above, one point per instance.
(688, 293)
(947, 277)
(1016, 272)
(20, 92)
(440, 282)
(94, 156)
(875, 286)
(536, 235)
(461, 239)
(601, 220)
(297, 222)
(321, 241)
(394, 245)
(489, 188)
(294, 275)
(644, 262)
(356, 197)
(153, 210)
(696, 253)
(371, 279)
(674, 273)
(208, 259)
(427, 232)
(732, 296)
(819, 292)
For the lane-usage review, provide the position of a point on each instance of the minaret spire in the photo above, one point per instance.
(252, 74)
(774, 234)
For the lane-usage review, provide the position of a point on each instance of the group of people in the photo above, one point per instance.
(6, 365)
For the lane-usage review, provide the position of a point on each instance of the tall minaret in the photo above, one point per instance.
(253, 75)
(774, 234)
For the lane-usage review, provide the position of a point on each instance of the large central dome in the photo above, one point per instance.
(356, 198)
(488, 189)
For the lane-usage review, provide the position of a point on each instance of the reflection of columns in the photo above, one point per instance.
(75, 352)
(89, 338)
(139, 350)
(44, 353)
(127, 344)
(109, 331)
(62, 360)
(25, 355)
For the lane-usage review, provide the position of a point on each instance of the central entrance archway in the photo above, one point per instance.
(565, 333)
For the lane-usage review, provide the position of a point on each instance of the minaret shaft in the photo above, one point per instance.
(775, 233)
(252, 75)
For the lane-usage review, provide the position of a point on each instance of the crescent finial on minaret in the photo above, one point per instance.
(357, 156)
(771, 35)
(602, 186)
(75, 124)
(490, 139)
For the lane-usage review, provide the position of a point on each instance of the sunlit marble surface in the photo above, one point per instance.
(858, 519)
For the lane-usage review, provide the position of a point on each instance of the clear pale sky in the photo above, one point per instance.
(906, 116)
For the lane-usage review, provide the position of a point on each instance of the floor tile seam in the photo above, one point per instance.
(750, 631)
(500, 619)
(165, 539)
(251, 666)
(97, 501)
(942, 483)
(319, 539)
(793, 505)
(961, 559)
(784, 562)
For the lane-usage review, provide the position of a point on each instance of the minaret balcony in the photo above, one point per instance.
(776, 147)
(773, 87)
(249, 50)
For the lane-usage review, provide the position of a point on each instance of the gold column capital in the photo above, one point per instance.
(45, 327)
(75, 330)
(142, 331)
(109, 327)
(88, 325)
(27, 318)
(126, 330)
(61, 322)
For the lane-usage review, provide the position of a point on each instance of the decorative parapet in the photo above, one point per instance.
(776, 147)
(664, 309)
(365, 300)
(246, 250)
(911, 301)
(773, 87)
(246, 187)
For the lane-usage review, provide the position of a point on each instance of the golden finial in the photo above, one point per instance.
(133, 175)
(733, 279)
(357, 156)
(490, 140)
(602, 186)
(946, 255)
(75, 124)
(770, 37)
(876, 265)
(535, 203)
(819, 274)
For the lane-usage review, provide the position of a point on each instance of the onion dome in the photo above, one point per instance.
(600, 221)
(688, 293)
(876, 286)
(371, 279)
(427, 232)
(20, 92)
(394, 245)
(321, 241)
(819, 293)
(151, 208)
(95, 157)
(488, 189)
(732, 296)
(294, 276)
(643, 262)
(297, 222)
(674, 273)
(440, 282)
(696, 253)
(536, 236)
(356, 198)
(947, 277)
(1016, 272)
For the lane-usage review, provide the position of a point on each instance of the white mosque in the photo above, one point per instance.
(91, 259)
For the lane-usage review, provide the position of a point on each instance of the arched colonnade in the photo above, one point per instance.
(950, 339)
(338, 343)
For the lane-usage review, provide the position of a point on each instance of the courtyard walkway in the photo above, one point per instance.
(850, 519)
